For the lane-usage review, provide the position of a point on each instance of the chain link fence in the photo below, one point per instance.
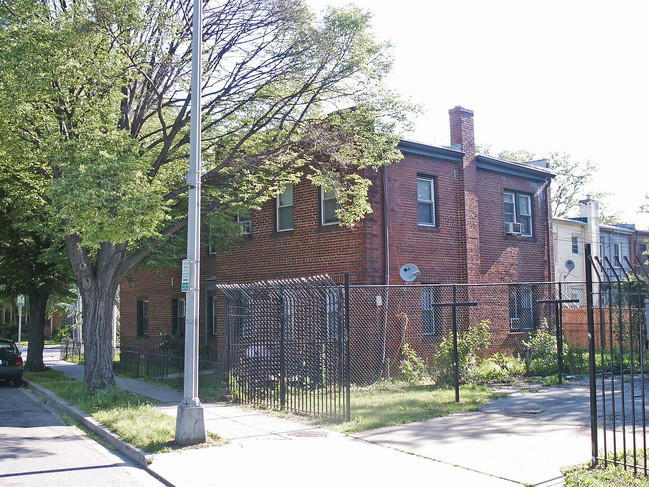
(383, 319)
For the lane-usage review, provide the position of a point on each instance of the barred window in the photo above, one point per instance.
(178, 316)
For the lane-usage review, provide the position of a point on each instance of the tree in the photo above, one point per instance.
(96, 93)
(32, 258)
(570, 181)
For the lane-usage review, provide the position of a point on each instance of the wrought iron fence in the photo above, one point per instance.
(168, 368)
(71, 348)
(286, 345)
(618, 295)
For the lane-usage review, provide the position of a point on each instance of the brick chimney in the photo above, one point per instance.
(462, 135)
(462, 138)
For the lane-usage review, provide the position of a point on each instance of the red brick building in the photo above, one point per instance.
(459, 217)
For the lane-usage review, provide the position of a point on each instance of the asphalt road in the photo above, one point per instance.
(37, 448)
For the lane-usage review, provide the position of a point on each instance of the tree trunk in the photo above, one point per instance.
(37, 321)
(98, 284)
(98, 337)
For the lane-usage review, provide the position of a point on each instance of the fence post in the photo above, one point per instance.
(456, 364)
(347, 339)
(591, 354)
(559, 332)
(282, 351)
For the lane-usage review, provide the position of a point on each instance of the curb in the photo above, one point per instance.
(140, 457)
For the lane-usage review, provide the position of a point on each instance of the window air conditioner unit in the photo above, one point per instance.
(515, 324)
(513, 228)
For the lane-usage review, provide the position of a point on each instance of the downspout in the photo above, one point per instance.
(386, 232)
(548, 229)
(386, 263)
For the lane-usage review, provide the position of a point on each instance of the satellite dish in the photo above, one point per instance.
(409, 272)
(570, 265)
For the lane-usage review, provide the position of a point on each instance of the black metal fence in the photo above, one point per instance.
(287, 345)
(168, 368)
(618, 323)
(71, 348)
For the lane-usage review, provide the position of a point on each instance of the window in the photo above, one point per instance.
(284, 203)
(575, 244)
(333, 310)
(617, 252)
(178, 316)
(244, 316)
(211, 313)
(518, 209)
(142, 318)
(328, 207)
(244, 218)
(429, 315)
(520, 308)
(426, 201)
(288, 312)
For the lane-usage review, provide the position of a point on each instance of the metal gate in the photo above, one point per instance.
(617, 295)
(287, 345)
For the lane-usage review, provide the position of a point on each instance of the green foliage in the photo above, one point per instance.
(95, 112)
(499, 368)
(469, 344)
(541, 353)
(412, 369)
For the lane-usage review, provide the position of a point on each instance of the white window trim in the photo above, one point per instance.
(245, 226)
(322, 209)
(517, 218)
(278, 207)
(431, 181)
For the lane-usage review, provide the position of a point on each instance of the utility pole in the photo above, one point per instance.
(190, 421)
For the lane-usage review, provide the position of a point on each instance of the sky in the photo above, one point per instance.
(566, 76)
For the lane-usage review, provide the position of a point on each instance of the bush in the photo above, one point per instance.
(499, 368)
(541, 354)
(469, 343)
(412, 369)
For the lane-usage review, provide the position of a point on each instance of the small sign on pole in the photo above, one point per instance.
(184, 283)
(20, 300)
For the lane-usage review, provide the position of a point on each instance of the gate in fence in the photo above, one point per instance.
(287, 345)
(618, 324)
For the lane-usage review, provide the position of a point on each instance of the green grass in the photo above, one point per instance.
(132, 417)
(583, 476)
(388, 403)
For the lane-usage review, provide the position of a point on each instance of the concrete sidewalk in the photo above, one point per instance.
(523, 439)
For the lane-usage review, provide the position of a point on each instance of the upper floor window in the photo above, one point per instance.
(575, 244)
(328, 207)
(178, 316)
(518, 213)
(284, 209)
(426, 201)
(244, 219)
(142, 318)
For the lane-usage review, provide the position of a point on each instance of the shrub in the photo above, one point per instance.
(499, 368)
(469, 343)
(412, 369)
(541, 353)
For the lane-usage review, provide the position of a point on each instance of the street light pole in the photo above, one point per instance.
(190, 422)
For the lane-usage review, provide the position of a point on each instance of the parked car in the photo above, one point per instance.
(11, 362)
